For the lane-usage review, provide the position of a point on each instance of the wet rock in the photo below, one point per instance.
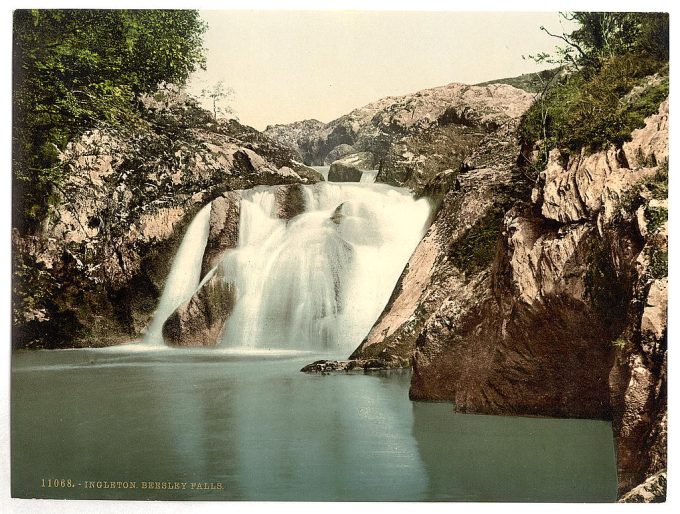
(331, 366)
(223, 234)
(290, 201)
(199, 321)
(340, 172)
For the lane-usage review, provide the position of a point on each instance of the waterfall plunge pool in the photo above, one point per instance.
(265, 431)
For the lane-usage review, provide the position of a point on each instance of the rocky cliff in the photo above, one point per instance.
(553, 306)
(93, 273)
(410, 137)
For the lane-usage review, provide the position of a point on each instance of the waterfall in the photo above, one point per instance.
(320, 280)
(368, 177)
(184, 276)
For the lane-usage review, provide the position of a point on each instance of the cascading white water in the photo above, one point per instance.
(320, 280)
(184, 276)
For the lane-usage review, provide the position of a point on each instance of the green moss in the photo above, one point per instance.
(655, 187)
(477, 248)
(657, 217)
(658, 267)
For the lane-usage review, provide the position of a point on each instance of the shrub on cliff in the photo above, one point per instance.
(591, 106)
(76, 68)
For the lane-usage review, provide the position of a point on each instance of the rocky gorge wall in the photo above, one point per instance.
(529, 295)
(551, 307)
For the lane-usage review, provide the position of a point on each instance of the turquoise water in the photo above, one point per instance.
(251, 427)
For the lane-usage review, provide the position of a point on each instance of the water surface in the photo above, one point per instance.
(264, 431)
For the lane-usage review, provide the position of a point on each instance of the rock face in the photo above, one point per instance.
(337, 153)
(553, 307)
(93, 273)
(652, 490)
(199, 321)
(412, 137)
(223, 234)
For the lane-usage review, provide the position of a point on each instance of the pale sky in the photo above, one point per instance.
(286, 66)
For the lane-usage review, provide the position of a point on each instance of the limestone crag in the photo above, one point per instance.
(412, 137)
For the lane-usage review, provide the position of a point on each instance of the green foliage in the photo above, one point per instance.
(594, 105)
(218, 95)
(591, 113)
(620, 343)
(658, 266)
(477, 248)
(76, 68)
(655, 186)
(657, 217)
(530, 82)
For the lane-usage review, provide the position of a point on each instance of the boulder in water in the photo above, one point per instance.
(350, 167)
(199, 321)
(340, 172)
(290, 201)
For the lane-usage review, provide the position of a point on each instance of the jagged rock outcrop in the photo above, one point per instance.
(93, 273)
(556, 307)
(338, 152)
(652, 490)
(412, 137)
(223, 233)
(351, 167)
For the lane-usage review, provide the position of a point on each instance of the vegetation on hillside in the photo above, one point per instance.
(607, 90)
(74, 69)
(530, 82)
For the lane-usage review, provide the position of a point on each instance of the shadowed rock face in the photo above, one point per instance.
(338, 152)
(199, 321)
(341, 172)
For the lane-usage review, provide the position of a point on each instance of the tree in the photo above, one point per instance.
(600, 36)
(76, 68)
(218, 95)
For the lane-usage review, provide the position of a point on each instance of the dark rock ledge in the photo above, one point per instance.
(331, 366)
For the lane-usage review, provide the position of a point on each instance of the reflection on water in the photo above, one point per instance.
(268, 432)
